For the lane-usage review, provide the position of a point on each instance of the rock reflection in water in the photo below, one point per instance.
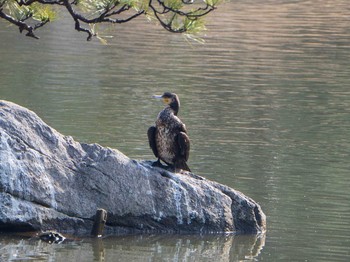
(136, 248)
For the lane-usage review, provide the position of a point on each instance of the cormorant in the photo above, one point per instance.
(168, 138)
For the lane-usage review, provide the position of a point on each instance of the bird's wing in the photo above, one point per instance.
(183, 128)
(184, 145)
(151, 133)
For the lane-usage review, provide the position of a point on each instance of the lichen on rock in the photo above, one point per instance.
(50, 181)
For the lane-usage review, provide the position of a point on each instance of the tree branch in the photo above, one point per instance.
(44, 2)
(168, 25)
(21, 25)
(175, 17)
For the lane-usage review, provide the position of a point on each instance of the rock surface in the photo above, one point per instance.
(50, 181)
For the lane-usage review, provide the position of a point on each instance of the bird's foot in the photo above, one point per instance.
(157, 164)
(170, 168)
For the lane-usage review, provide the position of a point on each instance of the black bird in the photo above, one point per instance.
(168, 138)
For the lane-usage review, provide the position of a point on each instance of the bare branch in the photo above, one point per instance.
(44, 2)
(77, 19)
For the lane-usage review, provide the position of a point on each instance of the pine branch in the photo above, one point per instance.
(22, 26)
(173, 15)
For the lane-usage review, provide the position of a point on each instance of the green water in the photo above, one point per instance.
(266, 102)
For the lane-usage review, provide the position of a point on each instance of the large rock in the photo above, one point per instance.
(50, 181)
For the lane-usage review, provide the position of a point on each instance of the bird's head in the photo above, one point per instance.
(171, 100)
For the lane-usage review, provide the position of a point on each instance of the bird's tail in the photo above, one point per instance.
(181, 164)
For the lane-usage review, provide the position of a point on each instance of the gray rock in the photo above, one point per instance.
(50, 181)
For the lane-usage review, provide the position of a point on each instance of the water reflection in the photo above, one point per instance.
(136, 248)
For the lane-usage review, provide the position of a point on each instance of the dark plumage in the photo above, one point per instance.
(168, 138)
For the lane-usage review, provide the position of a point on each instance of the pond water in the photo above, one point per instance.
(266, 101)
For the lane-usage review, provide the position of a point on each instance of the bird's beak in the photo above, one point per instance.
(157, 96)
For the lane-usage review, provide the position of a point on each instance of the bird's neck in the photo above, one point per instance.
(175, 107)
